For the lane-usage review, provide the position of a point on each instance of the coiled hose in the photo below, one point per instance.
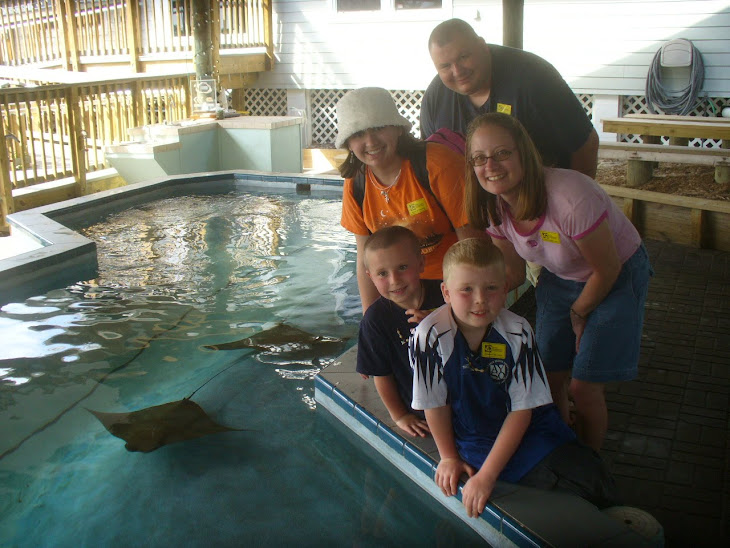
(674, 102)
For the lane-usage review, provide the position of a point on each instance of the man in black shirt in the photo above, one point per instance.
(475, 77)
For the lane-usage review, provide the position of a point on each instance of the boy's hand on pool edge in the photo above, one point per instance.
(475, 494)
(449, 472)
(413, 426)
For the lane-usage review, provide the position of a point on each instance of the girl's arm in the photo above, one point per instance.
(478, 488)
(599, 250)
(514, 264)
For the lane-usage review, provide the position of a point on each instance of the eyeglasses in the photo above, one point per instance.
(481, 159)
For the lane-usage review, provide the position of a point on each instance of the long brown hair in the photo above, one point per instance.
(481, 206)
(406, 144)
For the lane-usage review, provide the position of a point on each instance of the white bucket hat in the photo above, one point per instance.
(364, 108)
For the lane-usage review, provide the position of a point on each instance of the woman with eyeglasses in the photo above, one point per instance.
(591, 291)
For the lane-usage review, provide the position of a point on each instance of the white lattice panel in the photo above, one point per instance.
(707, 106)
(266, 102)
(323, 115)
(409, 106)
(586, 101)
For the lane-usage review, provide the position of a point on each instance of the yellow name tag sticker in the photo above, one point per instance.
(552, 237)
(494, 350)
(504, 109)
(419, 206)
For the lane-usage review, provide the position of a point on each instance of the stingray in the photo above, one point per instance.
(280, 338)
(153, 427)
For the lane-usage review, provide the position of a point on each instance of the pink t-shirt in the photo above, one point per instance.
(576, 206)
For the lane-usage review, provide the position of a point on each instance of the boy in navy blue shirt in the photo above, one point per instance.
(479, 378)
(394, 263)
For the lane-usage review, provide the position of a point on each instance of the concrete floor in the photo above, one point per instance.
(669, 430)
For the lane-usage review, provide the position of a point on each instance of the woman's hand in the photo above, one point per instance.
(578, 322)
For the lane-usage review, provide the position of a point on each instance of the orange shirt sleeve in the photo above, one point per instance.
(352, 216)
(446, 170)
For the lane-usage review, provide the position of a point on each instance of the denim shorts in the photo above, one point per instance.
(609, 348)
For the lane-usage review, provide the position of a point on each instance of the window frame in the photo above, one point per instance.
(388, 11)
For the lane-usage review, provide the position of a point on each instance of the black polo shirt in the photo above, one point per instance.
(523, 85)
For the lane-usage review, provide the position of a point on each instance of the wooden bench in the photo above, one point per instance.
(641, 159)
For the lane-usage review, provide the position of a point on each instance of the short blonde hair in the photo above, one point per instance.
(478, 252)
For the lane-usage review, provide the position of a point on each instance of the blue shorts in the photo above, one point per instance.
(609, 348)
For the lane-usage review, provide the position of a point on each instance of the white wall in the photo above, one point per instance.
(599, 46)
(607, 46)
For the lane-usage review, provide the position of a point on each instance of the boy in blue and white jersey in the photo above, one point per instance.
(479, 377)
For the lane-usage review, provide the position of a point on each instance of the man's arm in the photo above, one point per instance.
(479, 487)
(585, 159)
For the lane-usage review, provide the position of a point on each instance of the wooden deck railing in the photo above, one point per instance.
(57, 132)
(72, 34)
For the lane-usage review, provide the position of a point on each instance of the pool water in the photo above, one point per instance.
(176, 276)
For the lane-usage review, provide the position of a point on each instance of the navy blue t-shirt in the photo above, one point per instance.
(382, 343)
(525, 86)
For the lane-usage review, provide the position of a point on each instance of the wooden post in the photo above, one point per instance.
(76, 139)
(215, 38)
(238, 99)
(137, 103)
(202, 41)
(722, 171)
(512, 23)
(698, 227)
(651, 140)
(629, 208)
(268, 33)
(7, 205)
(131, 12)
(66, 10)
(638, 172)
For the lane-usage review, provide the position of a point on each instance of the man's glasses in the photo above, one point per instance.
(481, 159)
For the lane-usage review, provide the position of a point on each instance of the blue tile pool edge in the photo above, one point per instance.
(493, 525)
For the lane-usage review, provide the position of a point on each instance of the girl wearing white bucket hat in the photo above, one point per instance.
(381, 157)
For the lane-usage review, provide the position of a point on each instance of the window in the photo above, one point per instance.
(358, 5)
(417, 4)
(376, 5)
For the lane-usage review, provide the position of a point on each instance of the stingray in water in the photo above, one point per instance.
(282, 338)
(151, 428)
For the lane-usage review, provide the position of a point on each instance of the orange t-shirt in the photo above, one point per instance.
(408, 204)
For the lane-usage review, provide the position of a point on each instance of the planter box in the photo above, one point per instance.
(695, 222)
